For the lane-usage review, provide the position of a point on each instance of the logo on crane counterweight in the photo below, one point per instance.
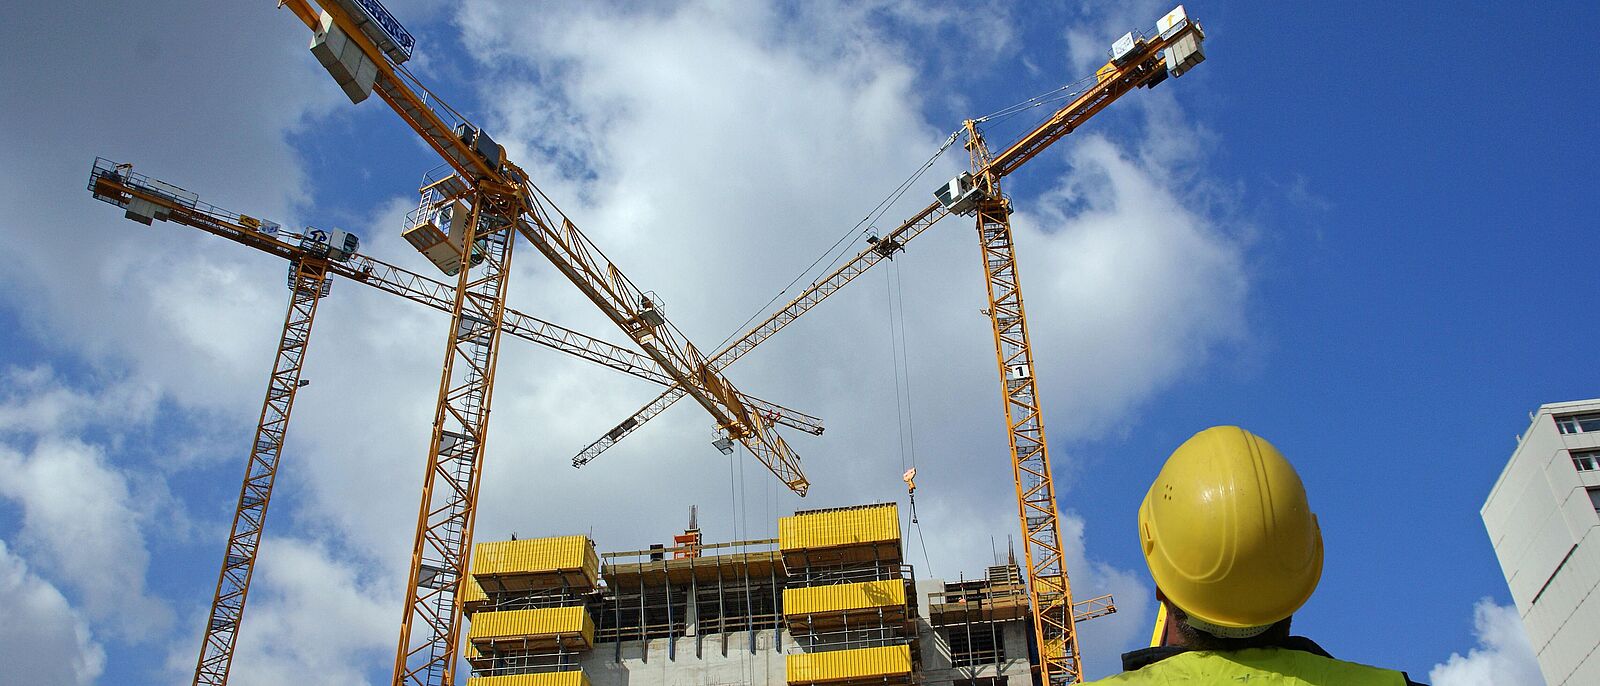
(391, 26)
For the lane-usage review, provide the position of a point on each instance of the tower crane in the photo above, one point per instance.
(1136, 61)
(363, 48)
(313, 261)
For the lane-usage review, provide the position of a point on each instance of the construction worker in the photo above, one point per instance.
(1234, 550)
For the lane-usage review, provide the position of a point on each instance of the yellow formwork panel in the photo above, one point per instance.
(569, 626)
(843, 597)
(472, 596)
(572, 678)
(830, 666)
(538, 562)
(837, 528)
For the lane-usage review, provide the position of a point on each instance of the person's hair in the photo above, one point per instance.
(1198, 639)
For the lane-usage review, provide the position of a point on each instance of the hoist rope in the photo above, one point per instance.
(1063, 92)
(855, 231)
(904, 415)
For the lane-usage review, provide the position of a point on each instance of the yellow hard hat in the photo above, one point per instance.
(1228, 534)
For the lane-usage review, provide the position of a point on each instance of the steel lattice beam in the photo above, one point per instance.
(238, 564)
(443, 541)
(1049, 590)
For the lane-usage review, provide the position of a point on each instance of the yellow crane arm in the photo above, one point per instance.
(121, 188)
(570, 251)
(391, 85)
(1144, 66)
(811, 297)
(641, 318)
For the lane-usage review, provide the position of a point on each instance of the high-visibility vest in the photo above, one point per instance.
(1255, 667)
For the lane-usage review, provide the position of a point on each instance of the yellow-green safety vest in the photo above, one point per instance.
(1255, 666)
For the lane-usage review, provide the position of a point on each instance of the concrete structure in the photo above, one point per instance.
(828, 603)
(1543, 517)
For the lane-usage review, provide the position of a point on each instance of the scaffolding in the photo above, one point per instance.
(970, 617)
(671, 593)
(528, 604)
(849, 600)
(829, 602)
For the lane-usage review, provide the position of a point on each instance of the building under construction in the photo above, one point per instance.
(830, 601)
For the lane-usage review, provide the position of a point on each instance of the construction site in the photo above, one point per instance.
(832, 601)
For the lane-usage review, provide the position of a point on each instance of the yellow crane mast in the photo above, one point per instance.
(147, 199)
(1136, 61)
(363, 48)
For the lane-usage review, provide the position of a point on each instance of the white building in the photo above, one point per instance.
(1543, 517)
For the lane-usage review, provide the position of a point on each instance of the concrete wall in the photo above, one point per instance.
(936, 668)
(1546, 534)
(708, 660)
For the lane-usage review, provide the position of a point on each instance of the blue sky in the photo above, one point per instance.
(1354, 230)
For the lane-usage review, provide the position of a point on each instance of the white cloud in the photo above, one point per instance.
(34, 400)
(79, 518)
(1137, 285)
(1103, 640)
(1503, 656)
(43, 640)
(724, 158)
(312, 619)
(173, 308)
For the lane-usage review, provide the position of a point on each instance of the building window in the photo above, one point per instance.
(1594, 498)
(1579, 423)
(1586, 460)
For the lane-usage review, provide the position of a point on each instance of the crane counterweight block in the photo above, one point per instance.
(350, 67)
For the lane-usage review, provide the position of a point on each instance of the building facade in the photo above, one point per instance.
(1543, 517)
(830, 602)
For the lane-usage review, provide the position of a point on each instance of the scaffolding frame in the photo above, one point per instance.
(678, 592)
